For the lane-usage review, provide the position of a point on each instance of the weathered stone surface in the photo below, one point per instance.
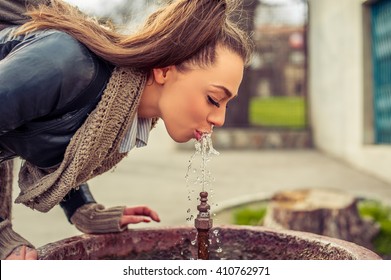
(234, 243)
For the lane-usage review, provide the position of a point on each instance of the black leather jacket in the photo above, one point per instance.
(49, 83)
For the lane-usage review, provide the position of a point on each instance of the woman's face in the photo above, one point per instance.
(193, 101)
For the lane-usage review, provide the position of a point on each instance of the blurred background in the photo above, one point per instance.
(314, 112)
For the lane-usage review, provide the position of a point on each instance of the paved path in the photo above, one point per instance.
(155, 176)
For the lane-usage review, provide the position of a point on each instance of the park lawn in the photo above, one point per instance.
(285, 112)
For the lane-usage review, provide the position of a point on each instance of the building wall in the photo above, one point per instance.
(340, 85)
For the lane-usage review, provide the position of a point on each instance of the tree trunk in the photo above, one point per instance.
(323, 212)
(238, 112)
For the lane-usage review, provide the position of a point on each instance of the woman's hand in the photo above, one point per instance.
(130, 215)
(23, 253)
(138, 214)
(95, 218)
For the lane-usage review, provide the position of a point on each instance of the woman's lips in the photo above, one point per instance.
(197, 135)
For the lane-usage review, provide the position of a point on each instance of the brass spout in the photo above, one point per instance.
(203, 224)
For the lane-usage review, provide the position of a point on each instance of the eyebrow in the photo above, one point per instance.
(226, 91)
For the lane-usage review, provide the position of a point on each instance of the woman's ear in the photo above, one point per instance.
(161, 75)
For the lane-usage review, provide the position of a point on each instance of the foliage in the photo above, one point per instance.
(285, 112)
(382, 215)
(249, 216)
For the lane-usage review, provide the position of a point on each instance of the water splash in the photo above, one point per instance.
(198, 176)
(205, 148)
(216, 240)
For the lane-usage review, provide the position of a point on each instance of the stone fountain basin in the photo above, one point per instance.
(232, 242)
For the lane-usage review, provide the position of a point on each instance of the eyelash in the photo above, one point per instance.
(213, 102)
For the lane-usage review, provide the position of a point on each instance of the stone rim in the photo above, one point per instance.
(143, 241)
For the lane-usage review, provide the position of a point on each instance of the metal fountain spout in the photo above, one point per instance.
(203, 224)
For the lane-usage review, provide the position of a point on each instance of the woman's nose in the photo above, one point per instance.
(217, 117)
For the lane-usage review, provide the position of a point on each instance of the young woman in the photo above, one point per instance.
(76, 97)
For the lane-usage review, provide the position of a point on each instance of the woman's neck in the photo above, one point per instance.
(149, 103)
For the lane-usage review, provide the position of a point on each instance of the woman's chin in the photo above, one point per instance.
(181, 138)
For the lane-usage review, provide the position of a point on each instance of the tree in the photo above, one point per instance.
(238, 111)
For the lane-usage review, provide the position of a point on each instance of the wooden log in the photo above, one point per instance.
(320, 211)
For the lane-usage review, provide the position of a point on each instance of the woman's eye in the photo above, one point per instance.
(213, 102)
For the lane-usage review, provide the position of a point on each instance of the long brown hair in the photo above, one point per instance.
(182, 31)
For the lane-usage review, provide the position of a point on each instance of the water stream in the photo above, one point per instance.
(198, 176)
(199, 184)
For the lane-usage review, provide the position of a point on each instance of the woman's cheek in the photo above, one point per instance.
(196, 108)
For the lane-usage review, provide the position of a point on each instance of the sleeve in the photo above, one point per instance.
(82, 210)
(41, 75)
(95, 218)
(9, 239)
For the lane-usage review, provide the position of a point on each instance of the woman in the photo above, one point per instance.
(76, 97)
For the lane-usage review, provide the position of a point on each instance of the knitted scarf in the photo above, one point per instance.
(13, 12)
(93, 150)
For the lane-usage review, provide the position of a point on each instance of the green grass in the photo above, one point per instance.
(249, 216)
(284, 112)
(382, 215)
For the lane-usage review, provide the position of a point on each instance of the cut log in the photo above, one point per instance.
(320, 211)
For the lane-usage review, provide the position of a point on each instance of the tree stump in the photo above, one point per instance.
(325, 212)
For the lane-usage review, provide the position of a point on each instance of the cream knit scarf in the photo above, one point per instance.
(94, 148)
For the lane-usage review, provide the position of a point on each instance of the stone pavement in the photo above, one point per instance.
(155, 176)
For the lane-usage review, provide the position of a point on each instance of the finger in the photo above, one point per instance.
(155, 216)
(31, 254)
(125, 220)
(137, 210)
(19, 253)
(142, 210)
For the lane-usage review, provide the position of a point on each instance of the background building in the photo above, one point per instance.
(350, 81)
